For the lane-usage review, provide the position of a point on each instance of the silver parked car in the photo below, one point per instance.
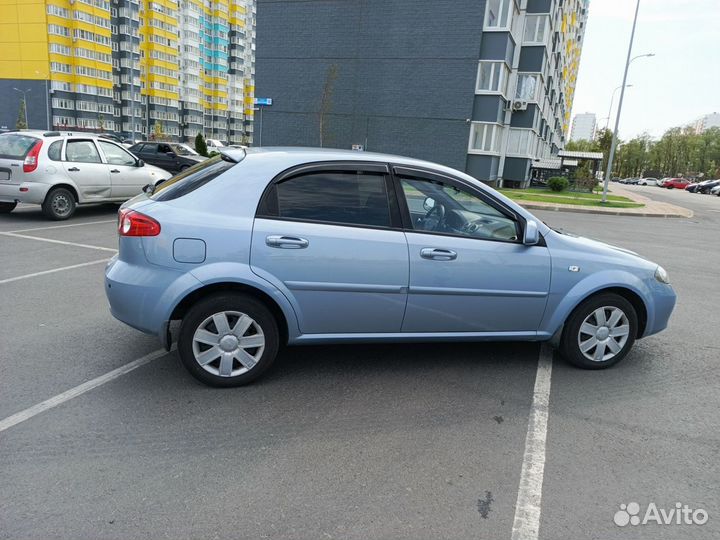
(60, 171)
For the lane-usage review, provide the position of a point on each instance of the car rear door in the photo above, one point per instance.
(329, 237)
(126, 178)
(84, 166)
(469, 270)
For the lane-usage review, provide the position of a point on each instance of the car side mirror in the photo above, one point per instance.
(532, 235)
(140, 163)
(428, 204)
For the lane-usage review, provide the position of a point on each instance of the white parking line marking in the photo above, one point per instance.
(65, 226)
(26, 276)
(15, 235)
(17, 418)
(526, 525)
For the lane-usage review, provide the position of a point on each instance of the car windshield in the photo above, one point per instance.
(183, 150)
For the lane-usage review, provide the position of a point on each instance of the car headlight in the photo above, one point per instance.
(661, 275)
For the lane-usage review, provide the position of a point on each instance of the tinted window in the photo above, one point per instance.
(55, 151)
(15, 146)
(148, 148)
(82, 151)
(164, 148)
(191, 179)
(116, 155)
(353, 198)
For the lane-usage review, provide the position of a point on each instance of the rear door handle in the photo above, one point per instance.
(286, 242)
(73, 169)
(114, 171)
(437, 254)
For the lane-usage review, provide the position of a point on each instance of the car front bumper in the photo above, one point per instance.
(663, 299)
(25, 192)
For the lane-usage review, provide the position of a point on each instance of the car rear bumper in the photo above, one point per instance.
(25, 192)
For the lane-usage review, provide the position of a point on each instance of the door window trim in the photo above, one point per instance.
(421, 173)
(267, 208)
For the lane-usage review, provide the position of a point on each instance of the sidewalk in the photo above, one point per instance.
(651, 209)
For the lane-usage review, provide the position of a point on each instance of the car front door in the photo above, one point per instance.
(167, 157)
(469, 270)
(330, 238)
(84, 167)
(126, 178)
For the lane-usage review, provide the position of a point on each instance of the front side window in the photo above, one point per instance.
(82, 152)
(164, 149)
(116, 155)
(485, 138)
(349, 198)
(437, 207)
(492, 77)
(527, 86)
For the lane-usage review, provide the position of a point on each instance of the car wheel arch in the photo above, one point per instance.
(628, 294)
(71, 188)
(233, 286)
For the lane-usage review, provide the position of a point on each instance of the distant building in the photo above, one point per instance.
(583, 127)
(706, 122)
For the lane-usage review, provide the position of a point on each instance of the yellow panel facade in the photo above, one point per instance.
(23, 40)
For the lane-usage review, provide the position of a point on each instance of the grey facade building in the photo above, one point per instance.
(485, 86)
(583, 127)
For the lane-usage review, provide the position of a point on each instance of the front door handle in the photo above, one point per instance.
(286, 242)
(437, 254)
(73, 169)
(114, 171)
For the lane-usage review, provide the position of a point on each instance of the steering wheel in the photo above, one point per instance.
(438, 209)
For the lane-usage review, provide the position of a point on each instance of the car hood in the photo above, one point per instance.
(157, 173)
(588, 245)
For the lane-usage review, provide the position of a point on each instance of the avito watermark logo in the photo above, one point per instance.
(680, 514)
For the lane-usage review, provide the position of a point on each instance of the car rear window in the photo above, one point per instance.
(15, 146)
(191, 179)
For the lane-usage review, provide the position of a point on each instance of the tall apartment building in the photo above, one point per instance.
(481, 85)
(705, 122)
(134, 67)
(583, 127)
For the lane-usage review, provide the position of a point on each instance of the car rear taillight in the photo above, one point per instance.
(132, 223)
(31, 160)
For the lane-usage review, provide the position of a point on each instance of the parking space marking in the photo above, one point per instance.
(61, 269)
(526, 525)
(65, 226)
(15, 235)
(28, 413)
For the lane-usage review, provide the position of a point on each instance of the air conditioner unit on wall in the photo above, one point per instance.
(519, 105)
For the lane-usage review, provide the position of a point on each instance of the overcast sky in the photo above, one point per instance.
(678, 85)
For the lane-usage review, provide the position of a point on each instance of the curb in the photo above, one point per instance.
(608, 212)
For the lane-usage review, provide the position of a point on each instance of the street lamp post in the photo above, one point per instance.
(612, 100)
(608, 170)
(24, 95)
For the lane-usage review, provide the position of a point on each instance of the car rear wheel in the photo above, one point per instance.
(228, 340)
(7, 207)
(59, 204)
(599, 332)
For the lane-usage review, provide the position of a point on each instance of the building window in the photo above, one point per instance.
(521, 142)
(485, 138)
(527, 86)
(492, 77)
(536, 28)
(498, 14)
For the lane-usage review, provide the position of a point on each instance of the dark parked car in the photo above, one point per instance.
(173, 157)
(707, 186)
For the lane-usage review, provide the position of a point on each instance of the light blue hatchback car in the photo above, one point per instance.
(258, 248)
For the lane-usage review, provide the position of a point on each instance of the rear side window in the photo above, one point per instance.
(191, 179)
(15, 146)
(81, 152)
(54, 151)
(351, 198)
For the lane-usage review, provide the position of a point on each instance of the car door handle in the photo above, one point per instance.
(114, 171)
(286, 242)
(73, 169)
(437, 254)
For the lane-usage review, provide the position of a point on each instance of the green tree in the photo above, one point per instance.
(326, 99)
(201, 145)
(20, 123)
(101, 123)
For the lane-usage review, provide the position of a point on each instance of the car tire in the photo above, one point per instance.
(7, 207)
(214, 353)
(618, 317)
(59, 204)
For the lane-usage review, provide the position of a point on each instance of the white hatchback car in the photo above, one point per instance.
(61, 170)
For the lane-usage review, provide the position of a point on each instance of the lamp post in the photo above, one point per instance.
(24, 95)
(46, 76)
(612, 100)
(613, 145)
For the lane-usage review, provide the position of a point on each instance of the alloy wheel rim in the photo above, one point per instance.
(228, 344)
(603, 334)
(61, 205)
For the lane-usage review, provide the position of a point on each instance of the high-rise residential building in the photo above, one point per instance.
(583, 127)
(485, 86)
(135, 67)
(706, 122)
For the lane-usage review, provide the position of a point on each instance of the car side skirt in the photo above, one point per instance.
(409, 337)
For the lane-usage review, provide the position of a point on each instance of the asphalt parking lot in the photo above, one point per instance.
(367, 442)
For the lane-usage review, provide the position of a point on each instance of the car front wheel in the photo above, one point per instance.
(7, 207)
(228, 340)
(599, 332)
